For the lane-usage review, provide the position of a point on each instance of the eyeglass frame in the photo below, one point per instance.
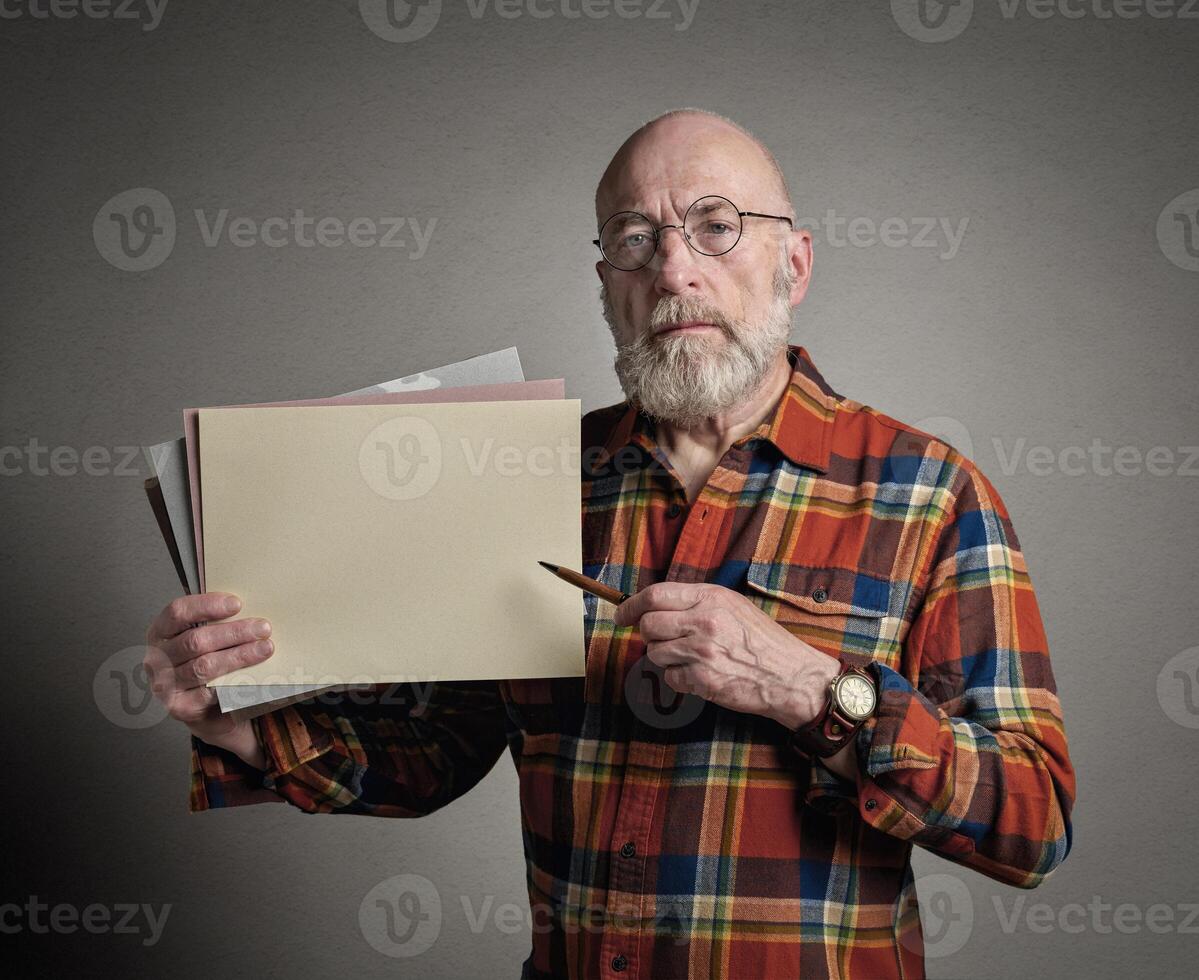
(683, 231)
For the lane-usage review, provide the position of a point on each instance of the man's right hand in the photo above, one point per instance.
(183, 657)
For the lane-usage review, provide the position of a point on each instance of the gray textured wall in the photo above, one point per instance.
(1065, 316)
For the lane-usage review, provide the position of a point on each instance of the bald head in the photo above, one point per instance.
(693, 148)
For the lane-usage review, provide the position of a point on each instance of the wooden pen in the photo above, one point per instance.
(605, 592)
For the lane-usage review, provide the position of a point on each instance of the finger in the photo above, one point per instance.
(181, 612)
(689, 679)
(160, 672)
(195, 705)
(670, 653)
(200, 670)
(660, 595)
(215, 636)
(664, 624)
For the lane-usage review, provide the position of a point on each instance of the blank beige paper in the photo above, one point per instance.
(396, 543)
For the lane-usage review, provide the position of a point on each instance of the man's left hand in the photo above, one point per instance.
(717, 644)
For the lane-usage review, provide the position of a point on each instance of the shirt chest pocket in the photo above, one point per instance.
(834, 609)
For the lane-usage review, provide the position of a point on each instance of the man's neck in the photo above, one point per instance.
(695, 452)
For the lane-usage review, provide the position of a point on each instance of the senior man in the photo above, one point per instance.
(833, 654)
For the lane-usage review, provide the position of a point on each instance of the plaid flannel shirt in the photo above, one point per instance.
(666, 836)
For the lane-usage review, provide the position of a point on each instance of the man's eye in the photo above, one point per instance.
(717, 228)
(634, 240)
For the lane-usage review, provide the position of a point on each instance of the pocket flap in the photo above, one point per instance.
(829, 591)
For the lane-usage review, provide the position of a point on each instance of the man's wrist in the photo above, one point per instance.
(804, 702)
(244, 744)
(255, 756)
(845, 762)
(830, 735)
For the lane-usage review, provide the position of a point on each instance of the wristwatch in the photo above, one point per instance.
(851, 698)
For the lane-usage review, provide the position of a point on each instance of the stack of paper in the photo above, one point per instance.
(390, 534)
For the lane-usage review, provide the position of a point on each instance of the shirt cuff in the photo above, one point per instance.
(887, 745)
(290, 739)
(828, 792)
(881, 741)
(220, 778)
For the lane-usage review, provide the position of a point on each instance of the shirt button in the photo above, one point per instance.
(820, 595)
(673, 511)
(619, 962)
(628, 849)
(871, 804)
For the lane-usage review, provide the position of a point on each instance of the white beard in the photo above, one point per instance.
(684, 378)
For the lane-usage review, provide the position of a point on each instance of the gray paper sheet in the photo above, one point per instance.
(168, 460)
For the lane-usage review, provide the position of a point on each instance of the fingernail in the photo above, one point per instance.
(261, 628)
(232, 603)
(264, 647)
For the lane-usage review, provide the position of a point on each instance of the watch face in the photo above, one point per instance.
(855, 696)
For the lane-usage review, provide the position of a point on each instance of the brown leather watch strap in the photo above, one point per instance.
(830, 731)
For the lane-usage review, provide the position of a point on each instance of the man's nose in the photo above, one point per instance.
(673, 264)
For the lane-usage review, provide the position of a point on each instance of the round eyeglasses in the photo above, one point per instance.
(711, 226)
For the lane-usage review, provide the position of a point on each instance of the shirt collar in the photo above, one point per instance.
(800, 427)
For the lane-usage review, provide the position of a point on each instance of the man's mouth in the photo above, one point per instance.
(685, 326)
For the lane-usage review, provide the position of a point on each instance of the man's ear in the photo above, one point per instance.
(599, 270)
(800, 257)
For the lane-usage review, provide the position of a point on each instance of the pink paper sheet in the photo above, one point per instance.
(514, 391)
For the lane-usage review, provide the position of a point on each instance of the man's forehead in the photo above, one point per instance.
(662, 195)
(674, 201)
(666, 171)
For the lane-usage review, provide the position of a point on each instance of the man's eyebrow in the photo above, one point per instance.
(623, 218)
(628, 215)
